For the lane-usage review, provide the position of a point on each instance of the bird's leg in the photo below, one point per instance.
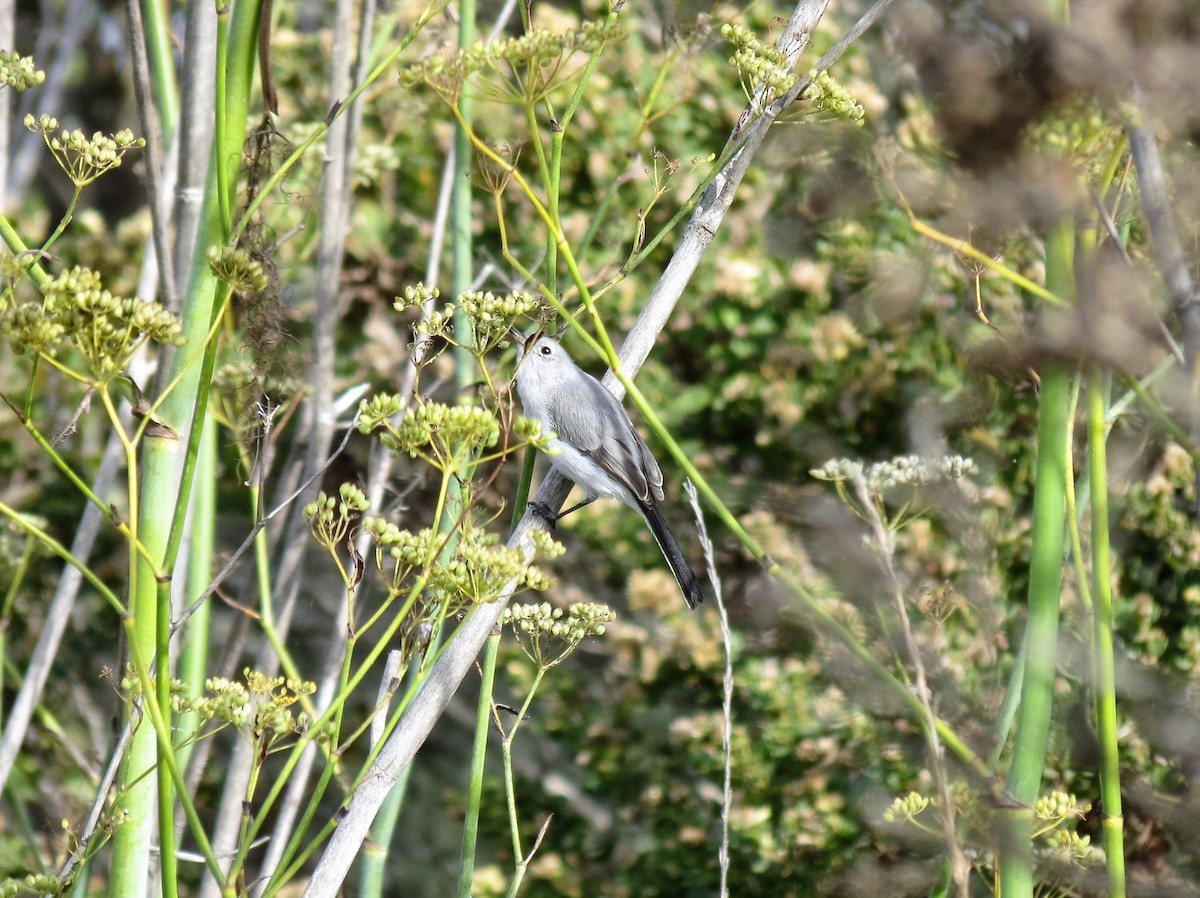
(543, 511)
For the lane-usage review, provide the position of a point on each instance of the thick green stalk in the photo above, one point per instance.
(163, 501)
(1045, 587)
(193, 660)
(1104, 685)
(483, 724)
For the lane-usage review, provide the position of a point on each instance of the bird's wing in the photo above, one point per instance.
(611, 441)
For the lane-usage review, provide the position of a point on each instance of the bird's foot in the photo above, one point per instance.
(543, 511)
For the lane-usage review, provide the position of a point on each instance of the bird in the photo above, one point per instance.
(596, 445)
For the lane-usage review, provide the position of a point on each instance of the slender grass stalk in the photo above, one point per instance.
(1104, 684)
(1015, 869)
(483, 725)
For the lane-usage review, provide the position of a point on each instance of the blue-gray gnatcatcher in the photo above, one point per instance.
(598, 447)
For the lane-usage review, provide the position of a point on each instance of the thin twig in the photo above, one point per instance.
(1168, 250)
(8, 15)
(884, 536)
(93, 818)
(727, 699)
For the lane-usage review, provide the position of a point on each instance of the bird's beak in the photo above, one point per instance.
(516, 335)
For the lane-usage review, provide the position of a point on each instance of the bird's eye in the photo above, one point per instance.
(545, 350)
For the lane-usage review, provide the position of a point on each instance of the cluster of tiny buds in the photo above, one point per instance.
(43, 883)
(539, 47)
(579, 621)
(445, 430)
(486, 307)
(19, 72)
(1059, 806)
(401, 545)
(480, 568)
(330, 518)
(477, 569)
(906, 807)
(263, 704)
(906, 470)
(236, 267)
(437, 323)
(1073, 847)
(415, 295)
(759, 65)
(530, 429)
(437, 432)
(376, 410)
(494, 316)
(83, 158)
(105, 328)
(828, 95)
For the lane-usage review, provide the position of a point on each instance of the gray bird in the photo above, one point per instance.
(599, 448)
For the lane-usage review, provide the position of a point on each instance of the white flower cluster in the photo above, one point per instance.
(905, 470)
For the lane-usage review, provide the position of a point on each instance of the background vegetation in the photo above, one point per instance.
(936, 368)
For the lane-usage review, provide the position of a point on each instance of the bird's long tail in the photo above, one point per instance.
(684, 575)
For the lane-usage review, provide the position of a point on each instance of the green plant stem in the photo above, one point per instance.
(64, 221)
(520, 861)
(168, 860)
(160, 729)
(17, 247)
(6, 607)
(78, 482)
(966, 249)
(62, 552)
(521, 499)
(193, 659)
(831, 626)
(375, 853)
(299, 857)
(483, 721)
(1104, 685)
(160, 56)
(1164, 420)
(1045, 585)
(163, 501)
(131, 842)
(461, 218)
(1073, 516)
